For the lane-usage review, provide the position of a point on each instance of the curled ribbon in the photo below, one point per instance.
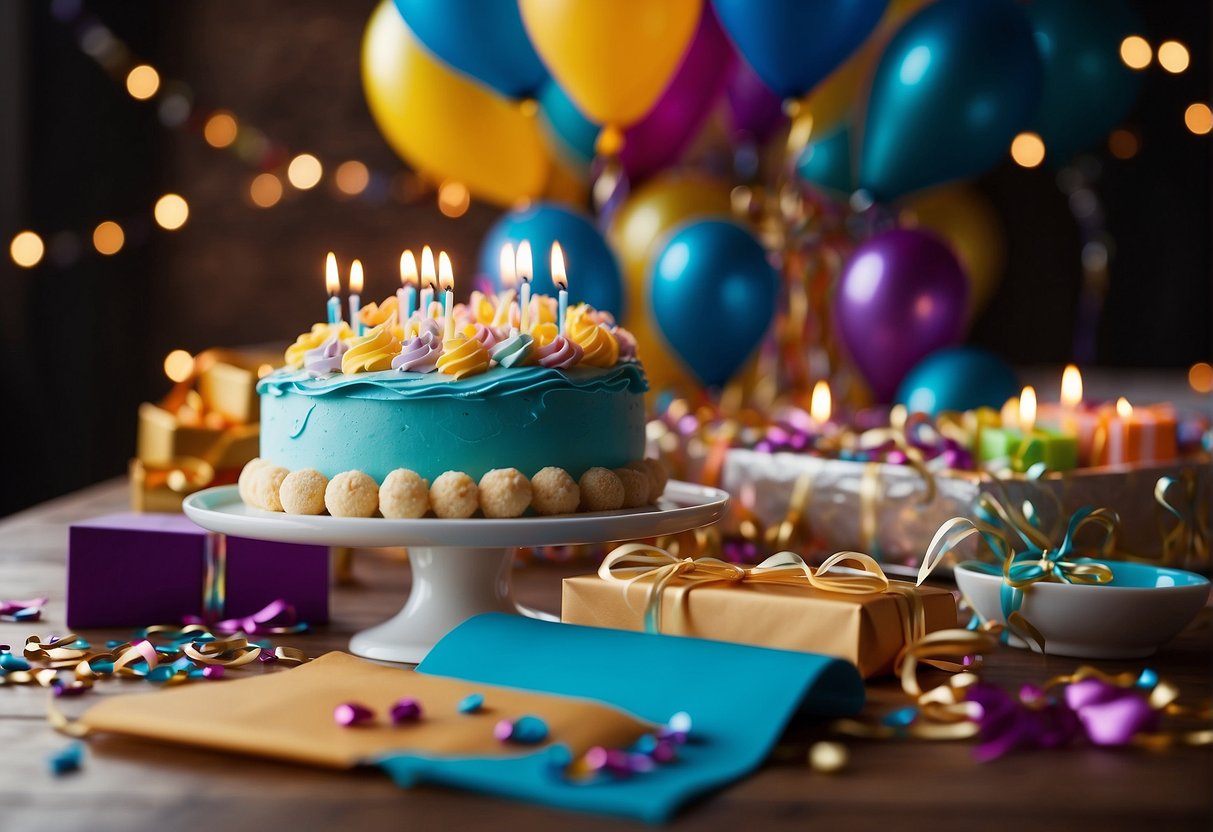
(636, 562)
(1039, 562)
(1187, 541)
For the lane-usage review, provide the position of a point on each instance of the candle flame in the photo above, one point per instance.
(558, 276)
(1123, 409)
(820, 403)
(506, 267)
(356, 277)
(408, 268)
(446, 276)
(332, 282)
(1071, 386)
(1027, 409)
(427, 268)
(522, 262)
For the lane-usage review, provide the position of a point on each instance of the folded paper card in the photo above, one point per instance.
(592, 687)
(132, 570)
(861, 617)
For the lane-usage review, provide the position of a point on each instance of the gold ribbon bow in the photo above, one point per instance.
(637, 562)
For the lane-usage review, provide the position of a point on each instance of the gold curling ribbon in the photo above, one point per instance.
(1187, 541)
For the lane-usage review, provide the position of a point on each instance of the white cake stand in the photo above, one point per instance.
(461, 568)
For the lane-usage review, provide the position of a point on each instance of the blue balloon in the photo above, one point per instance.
(593, 272)
(956, 83)
(713, 294)
(1087, 89)
(827, 163)
(485, 40)
(794, 44)
(958, 378)
(570, 133)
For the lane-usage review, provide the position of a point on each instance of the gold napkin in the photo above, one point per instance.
(289, 715)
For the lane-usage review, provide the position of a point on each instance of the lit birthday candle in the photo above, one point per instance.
(332, 283)
(356, 296)
(427, 280)
(446, 279)
(406, 295)
(508, 280)
(1023, 443)
(1138, 434)
(562, 284)
(524, 268)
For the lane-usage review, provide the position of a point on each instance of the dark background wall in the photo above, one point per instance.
(83, 343)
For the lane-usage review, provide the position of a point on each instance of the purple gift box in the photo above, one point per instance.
(135, 570)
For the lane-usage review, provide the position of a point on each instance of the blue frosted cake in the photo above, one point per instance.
(453, 419)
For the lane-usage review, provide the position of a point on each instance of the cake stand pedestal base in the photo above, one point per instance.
(450, 585)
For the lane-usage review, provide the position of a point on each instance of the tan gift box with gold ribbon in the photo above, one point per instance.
(846, 614)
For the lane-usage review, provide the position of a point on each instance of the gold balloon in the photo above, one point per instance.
(444, 125)
(834, 101)
(969, 223)
(637, 234)
(613, 57)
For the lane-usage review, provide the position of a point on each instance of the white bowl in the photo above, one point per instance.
(1141, 609)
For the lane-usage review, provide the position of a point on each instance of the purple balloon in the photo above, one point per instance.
(901, 296)
(664, 133)
(755, 110)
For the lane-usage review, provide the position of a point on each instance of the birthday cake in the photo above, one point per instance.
(473, 411)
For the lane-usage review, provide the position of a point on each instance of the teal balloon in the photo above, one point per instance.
(1088, 89)
(958, 378)
(593, 272)
(567, 129)
(795, 44)
(954, 86)
(485, 40)
(827, 163)
(713, 294)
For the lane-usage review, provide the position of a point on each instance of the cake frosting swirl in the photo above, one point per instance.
(462, 357)
(326, 358)
(561, 353)
(419, 354)
(371, 352)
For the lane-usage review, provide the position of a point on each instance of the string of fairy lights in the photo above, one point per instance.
(279, 171)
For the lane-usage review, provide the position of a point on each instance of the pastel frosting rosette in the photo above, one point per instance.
(600, 349)
(419, 354)
(513, 350)
(627, 344)
(560, 353)
(313, 339)
(371, 352)
(326, 358)
(483, 333)
(462, 357)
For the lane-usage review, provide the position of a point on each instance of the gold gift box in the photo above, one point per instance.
(162, 438)
(162, 488)
(866, 630)
(231, 391)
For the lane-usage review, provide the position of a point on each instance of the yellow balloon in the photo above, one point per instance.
(834, 101)
(444, 125)
(613, 57)
(967, 221)
(636, 234)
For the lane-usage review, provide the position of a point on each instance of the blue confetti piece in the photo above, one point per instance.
(113, 643)
(647, 744)
(67, 759)
(529, 730)
(471, 703)
(559, 756)
(10, 662)
(102, 667)
(161, 674)
(901, 718)
(1148, 679)
(182, 664)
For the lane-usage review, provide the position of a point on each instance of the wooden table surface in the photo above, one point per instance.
(134, 785)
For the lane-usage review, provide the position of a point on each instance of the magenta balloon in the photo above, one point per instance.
(902, 295)
(754, 109)
(662, 135)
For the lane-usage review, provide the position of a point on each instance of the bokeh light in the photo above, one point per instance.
(453, 199)
(1199, 118)
(108, 237)
(1173, 56)
(171, 211)
(352, 177)
(1123, 144)
(265, 190)
(1135, 52)
(264, 370)
(27, 249)
(179, 365)
(1200, 376)
(142, 82)
(220, 129)
(1028, 150)
(304, 171)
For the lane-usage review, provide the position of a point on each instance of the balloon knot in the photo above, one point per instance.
(610, 142)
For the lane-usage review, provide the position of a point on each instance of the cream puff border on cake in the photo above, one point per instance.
(403, 494)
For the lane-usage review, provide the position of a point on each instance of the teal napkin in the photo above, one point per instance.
(740, 699)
